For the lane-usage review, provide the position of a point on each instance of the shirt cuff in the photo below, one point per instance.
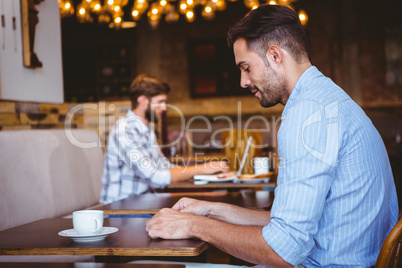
(283, 243)
(162, 177)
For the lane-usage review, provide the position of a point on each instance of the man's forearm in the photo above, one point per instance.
(244, 242)
(238, 215)
(181, 173)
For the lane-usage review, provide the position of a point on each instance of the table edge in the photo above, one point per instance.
(179, 251)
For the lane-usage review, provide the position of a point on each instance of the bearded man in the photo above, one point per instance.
(134, 163)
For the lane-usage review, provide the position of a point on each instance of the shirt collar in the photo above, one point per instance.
(135, 122)
(306, 75)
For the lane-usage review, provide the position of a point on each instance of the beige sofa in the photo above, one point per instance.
(47, 173)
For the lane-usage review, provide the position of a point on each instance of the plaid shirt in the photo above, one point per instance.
(134, 163)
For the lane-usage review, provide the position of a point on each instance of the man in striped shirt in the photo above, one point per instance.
(134, 163)
(335, 200)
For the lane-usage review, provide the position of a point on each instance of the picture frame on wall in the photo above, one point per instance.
(29, 20)
(212, 69)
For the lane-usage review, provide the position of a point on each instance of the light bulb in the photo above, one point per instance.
(183, 6)
(66, 8)
(221, 5)
(208, 13)
(303, 17)
(190, 4)
(141, 5)
(190, 16)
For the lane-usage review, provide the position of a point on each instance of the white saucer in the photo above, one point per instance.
(213, 178)
(71, 233)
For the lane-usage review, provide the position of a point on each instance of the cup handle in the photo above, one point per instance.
(98, 225)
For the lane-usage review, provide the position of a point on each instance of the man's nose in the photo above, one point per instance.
(244, 81)
(163, 107)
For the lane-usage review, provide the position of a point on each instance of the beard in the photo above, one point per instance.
(150, 115)
(272, 88)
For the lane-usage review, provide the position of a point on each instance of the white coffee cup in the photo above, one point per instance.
(88, 222)
(261, 165)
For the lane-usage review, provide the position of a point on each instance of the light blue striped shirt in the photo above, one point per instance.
(335, 202)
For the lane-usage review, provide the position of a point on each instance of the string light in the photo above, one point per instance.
(112, 10)
(190, 16)
(303, 17)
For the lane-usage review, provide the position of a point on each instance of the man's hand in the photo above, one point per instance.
(215, 167)
(223, 212)
(194, 206)
(242, 241)
(170, 224)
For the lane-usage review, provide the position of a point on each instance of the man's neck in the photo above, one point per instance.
(295, 72)
(141, 115)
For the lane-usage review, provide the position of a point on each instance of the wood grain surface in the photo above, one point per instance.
(41, 238)
(150, 203)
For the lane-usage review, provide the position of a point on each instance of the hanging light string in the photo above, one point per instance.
(111, 11)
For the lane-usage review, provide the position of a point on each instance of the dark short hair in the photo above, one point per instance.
(146, 85)
(268, 25)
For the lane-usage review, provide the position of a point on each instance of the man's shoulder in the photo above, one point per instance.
(324, 91)
(130, 123)
(324, 94)
(126, 130)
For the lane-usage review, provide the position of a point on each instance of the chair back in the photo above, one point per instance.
(235, 142)
(44, 174)
(390, 253)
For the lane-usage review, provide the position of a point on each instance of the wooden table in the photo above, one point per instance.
(85, 265)
(152, 202)
(220, 185)
(41, 238)
(269, 184)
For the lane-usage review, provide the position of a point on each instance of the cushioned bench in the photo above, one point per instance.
(48, 173)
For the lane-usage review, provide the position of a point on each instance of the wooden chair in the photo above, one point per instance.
(390, 253)
(235, 141)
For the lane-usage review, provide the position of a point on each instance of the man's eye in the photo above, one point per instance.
(247, 70)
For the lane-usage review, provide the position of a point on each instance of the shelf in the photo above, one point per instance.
(114, 71)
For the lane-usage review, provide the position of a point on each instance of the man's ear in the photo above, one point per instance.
(274, 55)
(143, 101)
